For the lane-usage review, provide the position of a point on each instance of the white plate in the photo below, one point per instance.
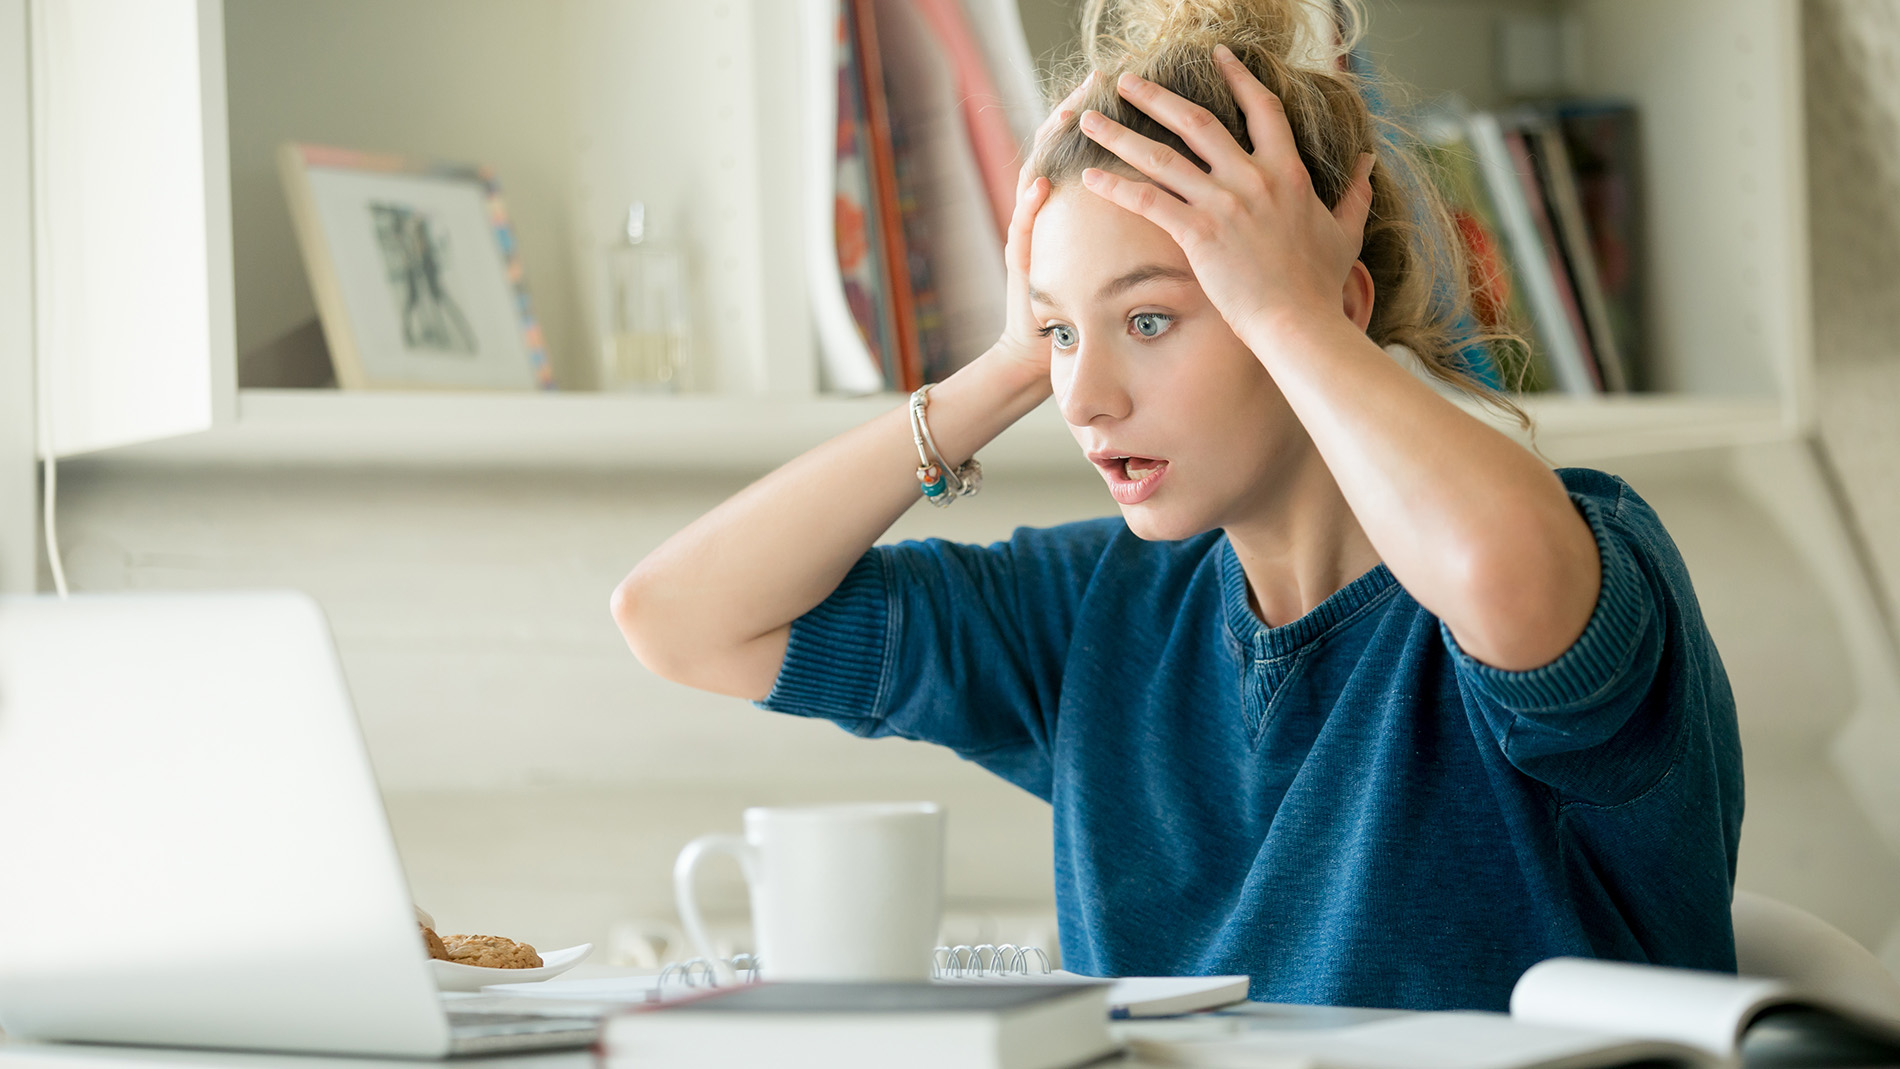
(454, 976)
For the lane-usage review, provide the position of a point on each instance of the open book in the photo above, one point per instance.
(1566, 1013)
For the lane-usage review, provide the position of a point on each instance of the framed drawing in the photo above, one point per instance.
(415, 271)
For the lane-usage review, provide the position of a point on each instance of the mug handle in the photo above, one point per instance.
(684, 870)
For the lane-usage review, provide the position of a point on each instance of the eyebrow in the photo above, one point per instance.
(1144, 273)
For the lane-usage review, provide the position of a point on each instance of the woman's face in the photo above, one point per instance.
(1183, 422)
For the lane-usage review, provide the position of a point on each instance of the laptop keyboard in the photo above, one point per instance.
(491, 1024)
(493, 1033)
(508, 1024)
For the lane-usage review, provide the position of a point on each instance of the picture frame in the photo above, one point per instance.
(415, 270)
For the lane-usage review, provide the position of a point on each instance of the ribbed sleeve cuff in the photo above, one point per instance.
(1595, 666)
(837, 664)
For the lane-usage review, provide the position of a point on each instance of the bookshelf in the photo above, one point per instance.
(581, 430)
(583, 105)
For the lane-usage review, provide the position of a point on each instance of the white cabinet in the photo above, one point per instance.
(165, 249)
(132, 220)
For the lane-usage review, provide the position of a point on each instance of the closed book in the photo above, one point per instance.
(1605, 147)
(1497, 292)
(1518, 142)
(1573, 233)
(868, 1026)
(1512, 183)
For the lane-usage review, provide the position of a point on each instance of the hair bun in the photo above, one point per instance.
(1122, 34)
(1412, 249)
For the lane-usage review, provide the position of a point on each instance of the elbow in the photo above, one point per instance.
(1527, 600)
(632, 607)
(660, 629)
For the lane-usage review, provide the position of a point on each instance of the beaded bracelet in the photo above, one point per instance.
(940, 482)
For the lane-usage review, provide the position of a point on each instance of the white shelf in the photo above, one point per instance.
(689, 433)
(1716, 81)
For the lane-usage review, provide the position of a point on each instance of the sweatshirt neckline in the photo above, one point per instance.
(1272, 642)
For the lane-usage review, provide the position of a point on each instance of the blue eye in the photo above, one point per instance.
(1150, 324)
(1061, 335)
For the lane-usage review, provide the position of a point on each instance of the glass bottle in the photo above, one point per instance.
(647, 343)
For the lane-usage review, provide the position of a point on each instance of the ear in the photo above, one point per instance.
(1358, 294)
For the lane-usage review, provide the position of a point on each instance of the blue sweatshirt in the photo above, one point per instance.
(1349, 808)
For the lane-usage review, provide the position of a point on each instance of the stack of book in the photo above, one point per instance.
(1547, 203)
(866, 1026)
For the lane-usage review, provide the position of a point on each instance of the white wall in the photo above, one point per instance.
(503, 711)
(18, 540)
(1853, 109)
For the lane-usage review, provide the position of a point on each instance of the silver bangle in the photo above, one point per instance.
(940, 483)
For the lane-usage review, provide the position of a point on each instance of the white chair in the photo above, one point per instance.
(1775, 939)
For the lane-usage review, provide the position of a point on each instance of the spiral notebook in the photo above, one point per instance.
(1128, 996)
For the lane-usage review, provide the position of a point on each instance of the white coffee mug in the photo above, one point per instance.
(839, 892)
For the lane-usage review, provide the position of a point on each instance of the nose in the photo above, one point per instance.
(1089, 386)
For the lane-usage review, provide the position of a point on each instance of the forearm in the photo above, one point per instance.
(1476, 527)
(712, 606)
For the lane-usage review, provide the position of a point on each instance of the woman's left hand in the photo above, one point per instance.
(1259, 239)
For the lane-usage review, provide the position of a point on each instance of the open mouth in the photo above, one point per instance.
(1131, 479)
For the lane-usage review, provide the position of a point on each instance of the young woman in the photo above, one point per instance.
(1355, 696)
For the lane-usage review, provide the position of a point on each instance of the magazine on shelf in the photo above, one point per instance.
(1602, 141)
(856, 229)
(979, 103)
(955, 250)
(1559, 185)
(999, 32)
(1517, 142)
(903, 367)
(1497, 294)
(1554, 322)
(931, 104)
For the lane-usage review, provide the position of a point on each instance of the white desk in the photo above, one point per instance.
(20, 1055)
(1767, 1048)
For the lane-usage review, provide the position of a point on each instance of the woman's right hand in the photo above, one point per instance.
(1021, 340)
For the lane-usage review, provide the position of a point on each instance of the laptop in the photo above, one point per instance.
(196, 849)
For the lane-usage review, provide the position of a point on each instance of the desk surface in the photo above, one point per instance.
(1769, 1047)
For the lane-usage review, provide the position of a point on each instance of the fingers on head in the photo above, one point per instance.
(1143, 198)
(1267, 123)
(1355, 205)
(1023, 222)
(1063, 111)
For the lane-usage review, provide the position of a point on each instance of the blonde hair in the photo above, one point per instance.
(1297, 48)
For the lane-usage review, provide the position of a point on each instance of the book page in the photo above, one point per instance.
(1821, 964)
(1449, 1040)
(1136, 996)
(1705, 1010)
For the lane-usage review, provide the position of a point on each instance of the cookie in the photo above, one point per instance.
(434, 943)
(491, 952)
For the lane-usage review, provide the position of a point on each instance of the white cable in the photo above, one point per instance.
(49, 482)
(49, 512)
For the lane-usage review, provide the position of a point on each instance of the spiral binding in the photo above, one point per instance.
(985, 961)
(699, 973)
